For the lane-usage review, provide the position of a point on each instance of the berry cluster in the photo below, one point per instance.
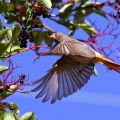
(22, 78)
(26, 34)
(23, 38)
(7, 86)
(21, 16)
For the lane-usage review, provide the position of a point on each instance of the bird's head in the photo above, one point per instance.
(56, 36)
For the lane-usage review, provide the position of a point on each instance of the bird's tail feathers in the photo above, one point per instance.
(110, 64)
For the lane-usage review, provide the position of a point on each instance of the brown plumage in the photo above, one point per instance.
(72, 70)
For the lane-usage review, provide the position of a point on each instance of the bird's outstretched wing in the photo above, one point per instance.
(73, 47)
(65, 78)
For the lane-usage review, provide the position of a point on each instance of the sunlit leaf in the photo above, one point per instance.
(15, 49)
(28, 116)
(87, 3)
(66, 8)
(3, 69)
(7, 92)
(3, 47)
(9, 34)
(13, 88)
(29, 13)
(2, 114)
(46, 3)
(10, 116)
(3, 34)
(77, 1)
(87, 28)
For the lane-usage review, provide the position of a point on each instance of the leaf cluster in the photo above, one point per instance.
(4, 115)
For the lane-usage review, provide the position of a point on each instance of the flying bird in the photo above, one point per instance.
(72, 71)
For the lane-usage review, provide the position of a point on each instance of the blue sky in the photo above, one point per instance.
(98, 99)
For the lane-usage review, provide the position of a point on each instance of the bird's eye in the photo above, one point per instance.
(55, 34)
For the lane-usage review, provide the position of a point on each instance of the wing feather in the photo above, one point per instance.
(70, 86)
(66, 89)
(42, 82)
(73, 82)
(64, 79)
(60, 86)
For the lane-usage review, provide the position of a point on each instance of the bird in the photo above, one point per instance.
(72, 71)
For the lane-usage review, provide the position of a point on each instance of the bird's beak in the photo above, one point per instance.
(49, 38)
(52, 36)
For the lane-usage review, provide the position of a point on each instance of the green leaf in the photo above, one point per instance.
(4, 47)
(87, 3)
(11, 7)
(12, 106)
(2, 114)
(3, 59)
(0, 24)
(66, 8)
(14, 49)
(55, 2)
(9, 34)
(71, 32)
(3, 34)
(16, 31)
(38, 36)
(87, 9)
(95, 72)
(46, 39)
(77, 1)
(28, 116)
(0, 82)
(87, 28)
(11, 19)
(29, 14)
(3, 69)
(8, 48)
(3, 6)
(10, 116)
(46, 3)
(100, 13)
(5, 94)
(84, 1)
